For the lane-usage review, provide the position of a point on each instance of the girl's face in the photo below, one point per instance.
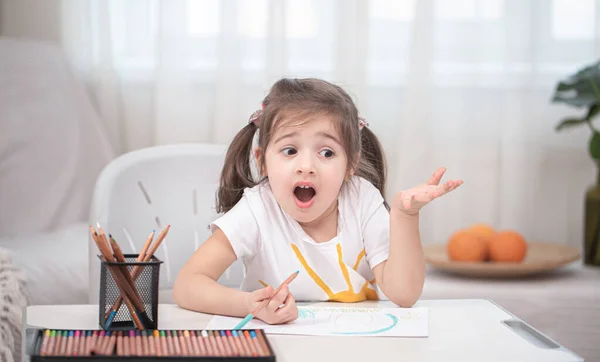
(306, 166)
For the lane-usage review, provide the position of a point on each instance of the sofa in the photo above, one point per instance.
(52, 148)
(13, 299)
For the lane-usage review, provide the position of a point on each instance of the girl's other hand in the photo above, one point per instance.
(281, 309)
(412, 200)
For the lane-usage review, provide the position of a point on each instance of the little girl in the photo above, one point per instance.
(318, 207)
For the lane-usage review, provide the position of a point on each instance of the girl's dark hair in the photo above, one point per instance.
(300, 101)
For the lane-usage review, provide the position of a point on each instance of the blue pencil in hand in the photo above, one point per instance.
(264, 303)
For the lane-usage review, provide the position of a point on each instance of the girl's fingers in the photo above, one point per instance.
(278, 299)
(426, 193)
(289, 301)
(447, 187)
(407, 201)
(291, 316)
(289, 312)
(437, 176)
(451, 185)
(261, 294)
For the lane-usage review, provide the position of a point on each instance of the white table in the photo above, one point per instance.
(459, 330)
(564, 304)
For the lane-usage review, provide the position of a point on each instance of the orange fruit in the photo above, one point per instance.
(507, 246)
(466, 246)
(483, 230)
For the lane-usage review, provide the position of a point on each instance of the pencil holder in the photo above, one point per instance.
(129, 294)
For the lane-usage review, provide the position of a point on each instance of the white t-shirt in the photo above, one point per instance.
(272, 245)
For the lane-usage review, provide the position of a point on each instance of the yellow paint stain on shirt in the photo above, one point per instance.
(359, 258)
(311, 272)
(346, 296)
(344, 269)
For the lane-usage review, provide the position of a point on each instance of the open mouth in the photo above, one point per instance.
(304, 194)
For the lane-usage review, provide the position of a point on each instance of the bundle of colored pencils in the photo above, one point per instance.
(124, 279)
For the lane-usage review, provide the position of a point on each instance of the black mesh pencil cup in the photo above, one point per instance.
(129, 294)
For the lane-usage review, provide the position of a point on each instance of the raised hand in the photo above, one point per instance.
(412, 200)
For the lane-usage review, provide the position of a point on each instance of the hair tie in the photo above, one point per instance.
(362, 122)
(255, 117)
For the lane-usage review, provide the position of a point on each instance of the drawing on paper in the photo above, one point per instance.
(398, 322)
(354, 323)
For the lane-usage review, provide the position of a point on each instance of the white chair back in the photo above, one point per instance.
(148, 189)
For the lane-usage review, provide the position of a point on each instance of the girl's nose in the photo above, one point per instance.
(305, 165)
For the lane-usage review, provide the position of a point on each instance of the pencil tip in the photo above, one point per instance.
(297, 271)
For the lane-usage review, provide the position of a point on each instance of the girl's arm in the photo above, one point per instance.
(196, 286)
(402, 275)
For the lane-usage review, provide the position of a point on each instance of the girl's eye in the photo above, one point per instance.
(289, 151)
(326, 153)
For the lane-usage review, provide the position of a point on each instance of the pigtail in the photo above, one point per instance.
(237, 173)
(372, 164)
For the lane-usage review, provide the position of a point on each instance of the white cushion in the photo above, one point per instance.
(55, 264)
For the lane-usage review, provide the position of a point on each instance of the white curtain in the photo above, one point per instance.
(464, 84)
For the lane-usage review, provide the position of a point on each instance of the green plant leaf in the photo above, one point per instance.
(592, 112)
(570, 122)
(595, 145)
(581, 89)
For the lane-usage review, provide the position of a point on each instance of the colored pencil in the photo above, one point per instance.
(103, 345)
(140, 258)
(262, 342)
(63, 343)
(51, 343)
(210, 340)
(126, 349)
(118, 278)
(76, 343)
(57, 341)
(264, 303)
(180, 343)
(157, 345)
(120, 344)
(178, 336)
(132, 301)
(135, 296)
(256, 343)
(194, 342)
(201, 344)
(144, 256)
(238, 342)
(245, 345)
(45, 342)
(251, 345)
(229, 351)
(121, 259)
